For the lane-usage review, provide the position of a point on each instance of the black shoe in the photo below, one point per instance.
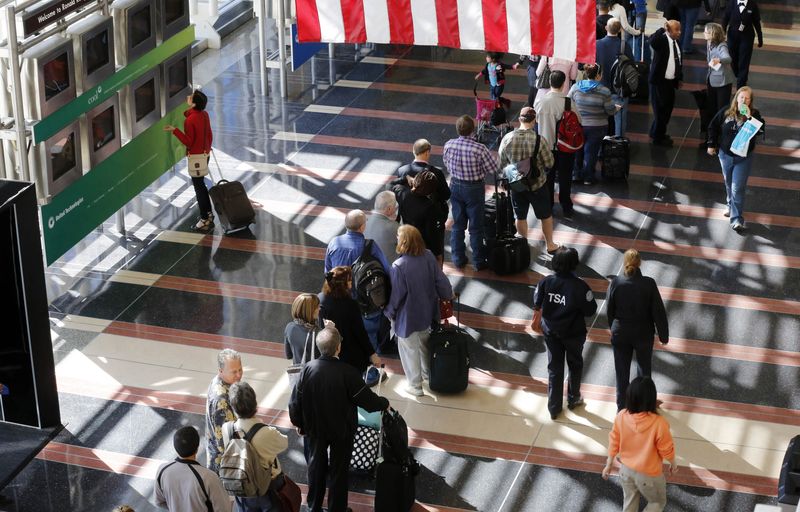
(481, 266)
(554, 415)
(577, 403)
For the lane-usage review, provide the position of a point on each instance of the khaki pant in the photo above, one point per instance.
(636, 485)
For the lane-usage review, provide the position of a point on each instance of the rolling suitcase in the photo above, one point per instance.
(498, 211)
(507, 254)
(234, 209)
(448, 352)
(615, 159)
(396, 472)
(642, 93)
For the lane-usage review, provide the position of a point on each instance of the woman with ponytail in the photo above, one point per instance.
(635, 313)
(338, 305)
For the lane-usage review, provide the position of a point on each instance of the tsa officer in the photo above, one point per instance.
(742, 21)
(563, 300)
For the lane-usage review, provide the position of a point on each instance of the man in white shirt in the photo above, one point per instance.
(184, 485)
(666, 74)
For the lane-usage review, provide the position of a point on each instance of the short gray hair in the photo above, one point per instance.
(385, 200)
(328, 341)
(226, 354)
(243, 400)
(354, 220)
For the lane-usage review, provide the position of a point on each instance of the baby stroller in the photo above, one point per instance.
(492, 119)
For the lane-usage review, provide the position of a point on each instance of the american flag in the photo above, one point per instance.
(556, 28)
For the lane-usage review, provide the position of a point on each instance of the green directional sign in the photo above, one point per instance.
(88, 202)
(51, 124)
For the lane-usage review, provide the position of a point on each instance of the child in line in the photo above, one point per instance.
(494, 73)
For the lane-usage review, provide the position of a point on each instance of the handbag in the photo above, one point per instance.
(288, 497)
(524, 174)
(543, 80)
(198, 163)
(296, 368)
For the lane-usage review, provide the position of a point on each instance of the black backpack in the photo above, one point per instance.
(626, 76)
(370, 281)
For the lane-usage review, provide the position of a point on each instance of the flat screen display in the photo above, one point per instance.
(140, 27)
(103, 130)
(56, 75)
(174, 10)
(96, 52)
(144, 99)
(177, 77)
(63, 156)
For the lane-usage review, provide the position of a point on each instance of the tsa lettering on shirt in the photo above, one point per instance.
(557, 298)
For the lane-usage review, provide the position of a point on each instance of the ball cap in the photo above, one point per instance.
(527, 114)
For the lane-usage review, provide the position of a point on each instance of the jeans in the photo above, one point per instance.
(203, 201)
(735, 170)
(688, 19)
(372, 324)
(635, 485)
(593, 135)
(621, 117)
(414, 357)
(495, 91)
(466, 201)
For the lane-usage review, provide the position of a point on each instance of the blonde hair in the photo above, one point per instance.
(733, 110)
(409, 241)
(631, 262)
(716, 31)
(304, 307)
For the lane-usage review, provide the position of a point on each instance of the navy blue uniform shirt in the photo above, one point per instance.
(565, 299)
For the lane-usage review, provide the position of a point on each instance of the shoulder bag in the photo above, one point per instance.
(296, 368)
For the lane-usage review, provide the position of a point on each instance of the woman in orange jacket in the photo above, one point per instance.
(640, 440)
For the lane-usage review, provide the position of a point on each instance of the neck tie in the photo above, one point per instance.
(676, 55)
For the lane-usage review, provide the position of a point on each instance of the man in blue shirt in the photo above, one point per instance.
(608, 49)
(345, 249)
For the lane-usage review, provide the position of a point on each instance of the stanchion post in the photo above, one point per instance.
(282, 47)
(16, 75)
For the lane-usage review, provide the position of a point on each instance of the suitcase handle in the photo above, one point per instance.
(219, 169)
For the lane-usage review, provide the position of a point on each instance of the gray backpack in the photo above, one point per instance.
(240, 468)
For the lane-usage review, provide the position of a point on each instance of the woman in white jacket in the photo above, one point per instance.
(619, 12)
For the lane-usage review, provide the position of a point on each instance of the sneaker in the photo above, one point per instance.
(415, 391)
(738, 226)
(577, 403)
(727, 212)
(204, 225)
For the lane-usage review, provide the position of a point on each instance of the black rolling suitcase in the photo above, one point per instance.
(615, 158)
(642, 94)
(234, 209)
(497, 211)
(507, 254)
(395, 485)
(448, 352)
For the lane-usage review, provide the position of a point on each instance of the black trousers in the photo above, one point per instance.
(718, 97)
(662, 94)
(624, 347)
(531, 96)
(320, 468)
(741, 49)
(562, 171)
(203, 201)
(557, 350)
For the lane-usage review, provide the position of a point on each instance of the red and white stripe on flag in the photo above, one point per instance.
(557, 28)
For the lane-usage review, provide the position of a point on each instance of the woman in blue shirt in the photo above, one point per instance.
(417, 284)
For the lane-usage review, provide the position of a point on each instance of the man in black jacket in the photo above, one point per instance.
(742, 20)
(422, 153)
(323, 408)
(666, 74)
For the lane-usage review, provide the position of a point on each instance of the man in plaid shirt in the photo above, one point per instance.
(520, 145)
(469, 162)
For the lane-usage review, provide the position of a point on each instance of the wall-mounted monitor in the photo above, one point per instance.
(134, 29)
(176, 79)
(48, 72)
(141, 104)
(57, 161)
(93, 43)
(101, 132)
(173, 16)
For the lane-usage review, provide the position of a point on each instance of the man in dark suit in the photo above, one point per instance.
(323, 408)
(742, 21)
(666, 74)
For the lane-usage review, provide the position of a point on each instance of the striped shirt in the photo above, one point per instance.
(468, 159)
(593, 102)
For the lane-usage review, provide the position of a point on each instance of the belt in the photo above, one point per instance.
(468, 182)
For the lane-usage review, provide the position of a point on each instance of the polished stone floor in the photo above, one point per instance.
(137, 319)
